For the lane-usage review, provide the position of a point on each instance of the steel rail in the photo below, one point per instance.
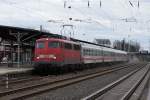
(40, 88)
(14, 81)
(2, 83)
(134, 87)
(102, 91)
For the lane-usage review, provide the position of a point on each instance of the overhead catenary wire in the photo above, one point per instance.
(65, 3)
(131, 3)
(30, 12)
(138, 4)
(100, 4)
(84, 13)
(130, 9)
(88, 3)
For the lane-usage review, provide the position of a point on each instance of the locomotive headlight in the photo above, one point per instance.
(46, 56)
(52, 56)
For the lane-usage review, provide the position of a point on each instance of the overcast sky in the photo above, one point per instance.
(113, 19)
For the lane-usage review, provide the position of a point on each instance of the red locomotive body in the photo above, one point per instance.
(57, 52)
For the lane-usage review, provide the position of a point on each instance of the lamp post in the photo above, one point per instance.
(128, 43)
(18, 36)
(18, 40)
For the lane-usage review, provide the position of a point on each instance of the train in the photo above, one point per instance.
(55, 52)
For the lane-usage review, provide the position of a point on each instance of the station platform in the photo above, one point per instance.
(14, 70)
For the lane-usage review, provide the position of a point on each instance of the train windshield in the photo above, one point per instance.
(53, 44)
(40, 45)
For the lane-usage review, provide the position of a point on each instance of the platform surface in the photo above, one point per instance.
(12, 70)
(148, 97)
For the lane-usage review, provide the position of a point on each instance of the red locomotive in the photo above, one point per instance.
(57, 52)
(60, 52)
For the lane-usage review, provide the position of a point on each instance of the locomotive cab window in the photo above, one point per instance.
(76, 47)
(40, 45)
(53, 44)
(68, 46)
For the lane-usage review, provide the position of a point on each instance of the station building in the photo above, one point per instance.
(9, 51)
(17, 44)
(104, 42)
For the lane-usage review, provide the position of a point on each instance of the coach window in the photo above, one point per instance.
(98, 52)
(40, 45)
(94, 52)
(53, 44)
(87, 52)
(90, 52)
(113, 54)
(84, 52)
(68, 46)
(103, 53)
(106, 53)
(109, 53)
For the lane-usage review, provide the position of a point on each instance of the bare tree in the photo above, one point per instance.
(131, 46)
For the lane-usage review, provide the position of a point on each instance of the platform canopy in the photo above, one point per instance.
(11, 32)
(29, 35)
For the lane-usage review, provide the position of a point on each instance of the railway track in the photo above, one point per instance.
(26, 79)
(14, 81)
(22, 80)
(127, 91)
(28, 91)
